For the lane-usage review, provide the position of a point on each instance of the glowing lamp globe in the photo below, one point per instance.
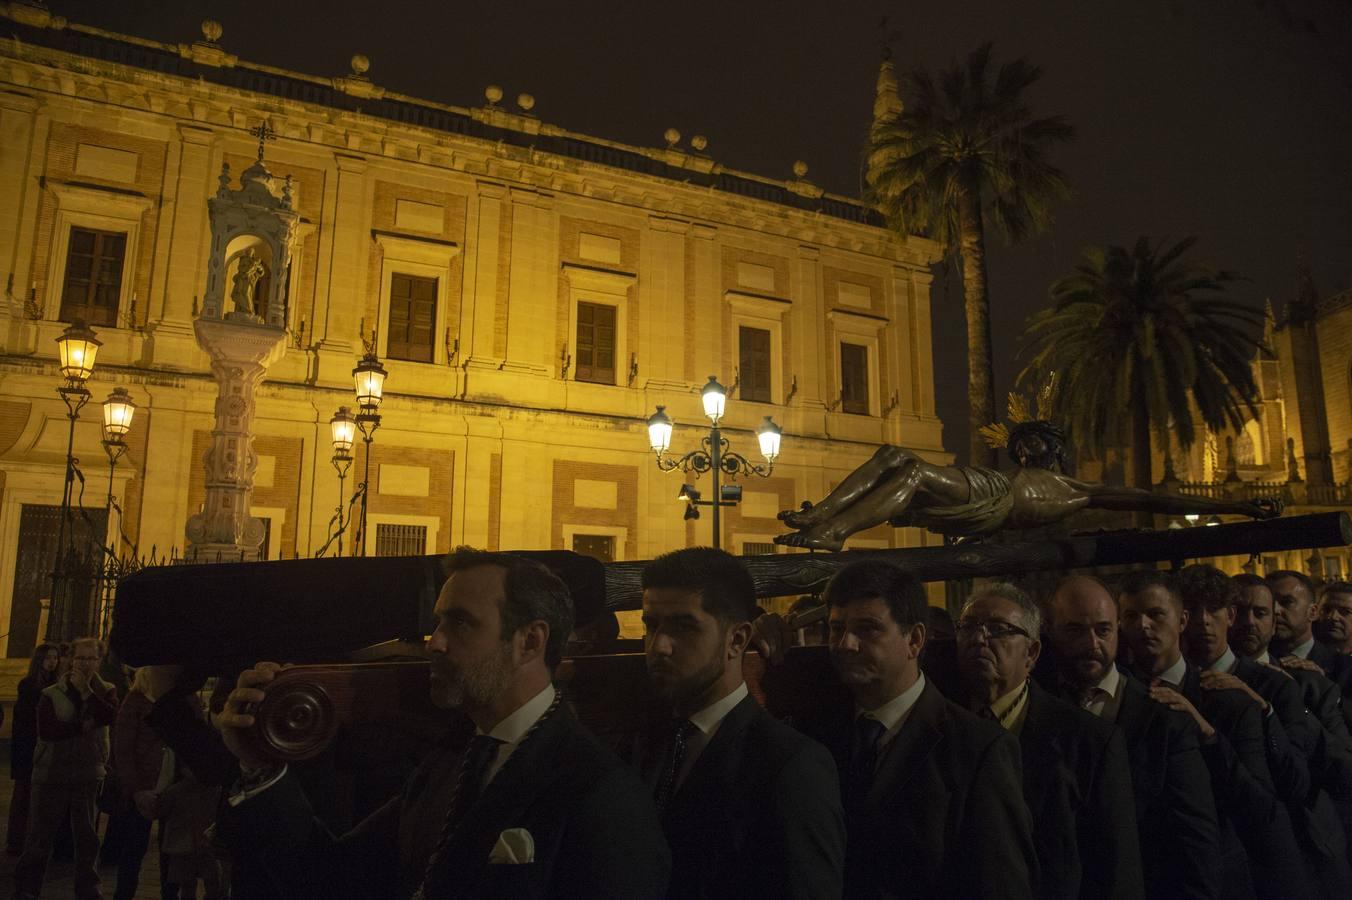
(715, 398)
(769, 434)
(369, 376)
(344, 427)
(118, 411)
(78, 347)
(659, 431)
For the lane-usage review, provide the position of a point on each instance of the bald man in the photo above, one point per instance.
(1175, 808)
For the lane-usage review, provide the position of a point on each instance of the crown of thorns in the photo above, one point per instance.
(999, 435)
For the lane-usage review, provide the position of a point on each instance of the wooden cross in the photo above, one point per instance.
(264, 133)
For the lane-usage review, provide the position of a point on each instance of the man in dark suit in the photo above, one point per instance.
(749, 805)
(523, 802)
(1076, 779)
(1249, 726)
(933, 795)
(1335, 617)
(1252, 636)
(1311, 765)
(1175, 808)
(1153, 620)
(1295, 598)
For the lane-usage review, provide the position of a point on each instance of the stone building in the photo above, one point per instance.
(1299, 445)
(534, 294)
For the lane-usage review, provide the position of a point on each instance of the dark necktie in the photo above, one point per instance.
(480, 755)
(469, 786)
(868, 731)
(666, 785)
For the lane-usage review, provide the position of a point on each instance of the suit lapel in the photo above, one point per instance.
(715, 767)
(517, 785)
(1134, 712)
(912, 745)
(1036, 745)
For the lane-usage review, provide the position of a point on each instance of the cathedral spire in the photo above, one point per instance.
(887, 105)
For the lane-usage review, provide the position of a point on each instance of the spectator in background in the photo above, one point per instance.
(137, 755)
(186, 808)
(70, 760)
(41, 673)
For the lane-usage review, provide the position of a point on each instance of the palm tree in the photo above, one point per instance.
(1138, 333)
(963, 148)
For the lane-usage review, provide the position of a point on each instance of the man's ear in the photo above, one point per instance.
(532, 640)
(1034, 651)
(739, 639)
(915, 639)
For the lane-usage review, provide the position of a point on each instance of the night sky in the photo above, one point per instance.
(1228, 119)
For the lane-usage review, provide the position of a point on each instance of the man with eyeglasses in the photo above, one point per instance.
(70, 761)
(1076, 779)
(1175, 809)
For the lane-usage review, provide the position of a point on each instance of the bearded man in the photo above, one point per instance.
(526, 803)
(750, 806)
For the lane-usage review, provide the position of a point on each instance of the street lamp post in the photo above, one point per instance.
(77, 349)
(369, 377)
(118, 411)
(344, 427)
(713, 456)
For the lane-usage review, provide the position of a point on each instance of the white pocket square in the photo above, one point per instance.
(514, 846)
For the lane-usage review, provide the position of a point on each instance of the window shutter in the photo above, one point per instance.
(854, 379)
(93, 277)
(413, 318)
(594, 349)
(753, 364)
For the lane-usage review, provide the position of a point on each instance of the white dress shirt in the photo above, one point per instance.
(1227, 662)
(894, 713)
(1303, 650)
(1104, 693)
(1174, 674)
(706, 722)
(1265, 658)
(513, 728)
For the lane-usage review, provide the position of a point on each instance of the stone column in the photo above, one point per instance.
(240, 354)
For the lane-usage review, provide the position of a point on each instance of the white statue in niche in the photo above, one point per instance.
(246, 279)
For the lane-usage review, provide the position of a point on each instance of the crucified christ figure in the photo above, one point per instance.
(900, 488)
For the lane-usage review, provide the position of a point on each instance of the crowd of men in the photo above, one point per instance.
(1176, 735)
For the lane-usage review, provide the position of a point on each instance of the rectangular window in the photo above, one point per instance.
(401, 540)
(93, 280)
(413, 318)
(753, 363)
(597, 546)
(595, 346)
(1333, 568)
(854, 379)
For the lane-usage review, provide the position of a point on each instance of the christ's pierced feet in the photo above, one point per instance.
(802, 518)
(814, 539)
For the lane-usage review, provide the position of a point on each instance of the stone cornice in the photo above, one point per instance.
(81, 78)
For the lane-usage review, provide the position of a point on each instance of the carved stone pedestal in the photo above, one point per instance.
(241, 350)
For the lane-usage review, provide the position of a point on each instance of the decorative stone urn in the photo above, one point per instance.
(253, 231)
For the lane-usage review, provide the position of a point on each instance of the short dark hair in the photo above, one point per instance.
(1206, 586)
(1054, 457)
(1248, 579)
(1144, 579)
(726, 589)
(1304, 579)
(1336, 587)
(868, 579)
(532, 592)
